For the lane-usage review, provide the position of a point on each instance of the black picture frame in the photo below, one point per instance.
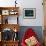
(29, 13)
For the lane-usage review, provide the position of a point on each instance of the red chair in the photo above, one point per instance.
(29, 33)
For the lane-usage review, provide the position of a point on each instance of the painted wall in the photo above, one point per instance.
(27, 4)
(39, 13)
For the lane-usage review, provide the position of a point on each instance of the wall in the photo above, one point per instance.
(6, 3)
(27, 4)
(39, 13)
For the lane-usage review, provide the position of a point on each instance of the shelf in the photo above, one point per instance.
(6, 12)
(9, 10)
(9, 20)
(10, 26)
(11, 41)
(4, 8)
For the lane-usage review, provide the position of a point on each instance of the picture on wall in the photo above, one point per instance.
(30, 13)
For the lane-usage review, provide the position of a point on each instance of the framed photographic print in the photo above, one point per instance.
(5, 12)
(30, 13)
